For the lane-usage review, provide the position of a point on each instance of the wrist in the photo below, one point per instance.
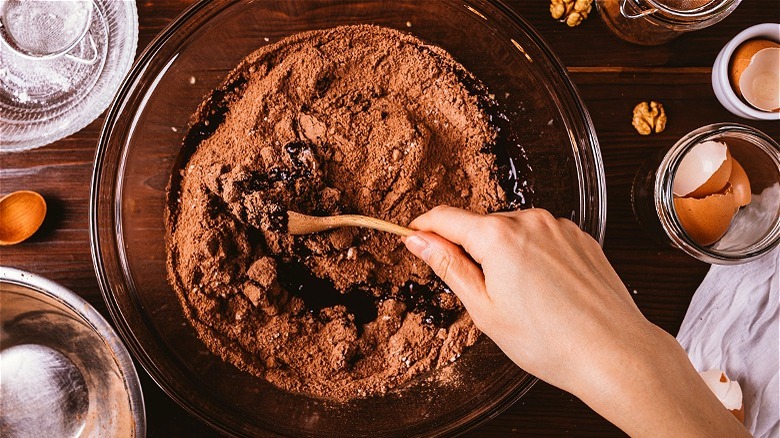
(648, 387)
(634, 359)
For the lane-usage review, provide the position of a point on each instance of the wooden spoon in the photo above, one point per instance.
(298, 223)
(21, 214)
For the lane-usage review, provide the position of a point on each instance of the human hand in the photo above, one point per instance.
(539, 287)
(545, 293)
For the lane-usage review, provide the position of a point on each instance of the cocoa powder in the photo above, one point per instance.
(357, 119)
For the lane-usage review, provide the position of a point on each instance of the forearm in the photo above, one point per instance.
(654, 391)
(572, 323)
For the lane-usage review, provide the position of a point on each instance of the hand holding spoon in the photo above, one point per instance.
(298, 223)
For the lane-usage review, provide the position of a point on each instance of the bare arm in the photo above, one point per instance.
(544, 292)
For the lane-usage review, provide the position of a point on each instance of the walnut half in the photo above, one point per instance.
(649, 118)
(571, 12)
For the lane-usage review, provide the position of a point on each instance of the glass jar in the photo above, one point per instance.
(754, 229)
(654, 22)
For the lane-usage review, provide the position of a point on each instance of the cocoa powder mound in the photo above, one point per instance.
(357, 119)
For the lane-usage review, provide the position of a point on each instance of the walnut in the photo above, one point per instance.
(571, 12)
(649, 118)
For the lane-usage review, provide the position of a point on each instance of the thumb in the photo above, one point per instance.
(452, 265)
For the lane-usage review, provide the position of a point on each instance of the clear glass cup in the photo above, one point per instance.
(60, 64)
(655, 22)
(754, 230)
(46, 30)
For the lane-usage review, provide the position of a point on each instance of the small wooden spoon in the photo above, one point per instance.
(21, 214)
(298, 223)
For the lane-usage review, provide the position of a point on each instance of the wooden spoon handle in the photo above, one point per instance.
(298, 223)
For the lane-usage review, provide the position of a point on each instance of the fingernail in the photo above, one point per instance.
(416, 245)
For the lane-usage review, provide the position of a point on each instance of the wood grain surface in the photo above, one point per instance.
(611, 75)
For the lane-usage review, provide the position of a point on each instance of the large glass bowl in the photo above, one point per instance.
(142, 137)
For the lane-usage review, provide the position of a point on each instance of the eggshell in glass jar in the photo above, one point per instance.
(704, 170)
(707, 219)
(740, 184)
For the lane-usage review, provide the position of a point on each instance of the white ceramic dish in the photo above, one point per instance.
(720, 73)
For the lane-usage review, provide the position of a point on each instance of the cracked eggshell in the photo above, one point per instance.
(707, 219)
(728, 391)
(742, 57)
(759, 82)
(704, 170)
(740, 184)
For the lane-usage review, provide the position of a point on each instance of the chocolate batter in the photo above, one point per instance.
(357, 119)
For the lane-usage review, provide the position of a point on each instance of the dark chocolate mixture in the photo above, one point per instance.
(357, 119)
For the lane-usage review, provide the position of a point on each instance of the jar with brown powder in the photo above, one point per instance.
(655, 22)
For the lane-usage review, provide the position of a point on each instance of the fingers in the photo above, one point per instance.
(453, 224)
(481, 235)
(452, 265)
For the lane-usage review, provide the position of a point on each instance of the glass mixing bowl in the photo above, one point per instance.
(142, 137)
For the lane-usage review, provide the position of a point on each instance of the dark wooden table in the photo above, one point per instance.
(612, 76)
